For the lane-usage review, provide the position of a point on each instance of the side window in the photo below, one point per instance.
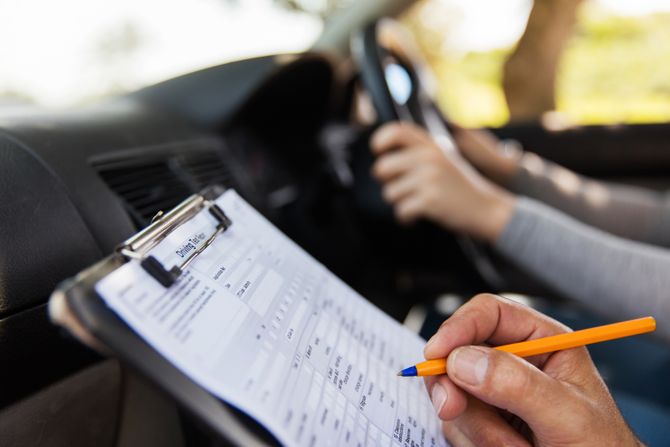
(575, 61)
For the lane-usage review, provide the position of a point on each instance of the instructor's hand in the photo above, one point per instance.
(495, 398)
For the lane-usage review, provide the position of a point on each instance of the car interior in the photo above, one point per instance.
(285, 131)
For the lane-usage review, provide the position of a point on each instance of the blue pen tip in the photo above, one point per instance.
(408, 372)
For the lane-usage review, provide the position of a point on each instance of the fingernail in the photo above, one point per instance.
(469, 364)
(439, 396)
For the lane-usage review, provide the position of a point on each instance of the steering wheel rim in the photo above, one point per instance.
(375, 48)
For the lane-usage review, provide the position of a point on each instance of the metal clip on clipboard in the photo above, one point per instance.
(138, 246)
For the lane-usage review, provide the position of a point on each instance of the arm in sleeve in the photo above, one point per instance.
(626, 211)
(613, 276)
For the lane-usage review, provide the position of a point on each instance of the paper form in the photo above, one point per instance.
(262, 325)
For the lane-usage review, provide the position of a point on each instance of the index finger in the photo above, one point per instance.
(396, 135)
(491, 319)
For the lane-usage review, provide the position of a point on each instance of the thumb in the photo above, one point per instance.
(507, 382)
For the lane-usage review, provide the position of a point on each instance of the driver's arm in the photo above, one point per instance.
(615, 276)
(626, 211)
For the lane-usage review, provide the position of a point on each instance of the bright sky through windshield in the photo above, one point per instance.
(483, 25)
(60, 53)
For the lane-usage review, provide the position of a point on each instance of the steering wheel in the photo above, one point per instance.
(401, 89)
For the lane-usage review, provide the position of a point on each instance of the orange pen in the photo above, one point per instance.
(548, 344)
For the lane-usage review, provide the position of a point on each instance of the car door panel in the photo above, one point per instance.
(632, 153)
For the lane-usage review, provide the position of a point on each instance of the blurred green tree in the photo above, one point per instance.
(529, 73)
(610, 69)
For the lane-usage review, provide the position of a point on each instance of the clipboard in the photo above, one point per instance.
(76, 306)
(317, 359)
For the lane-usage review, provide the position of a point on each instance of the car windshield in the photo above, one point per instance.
(68, 52)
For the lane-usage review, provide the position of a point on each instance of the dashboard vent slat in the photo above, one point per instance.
(140, 190)
(159, 180)
(140, 184)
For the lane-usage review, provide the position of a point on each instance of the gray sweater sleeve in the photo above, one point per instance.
(626, 211)
(613, 276)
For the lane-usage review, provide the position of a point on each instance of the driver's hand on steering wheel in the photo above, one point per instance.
(497, 160)
(420, 180)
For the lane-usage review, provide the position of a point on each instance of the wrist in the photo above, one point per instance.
(509, 156)
(496, 212)
(509, 167)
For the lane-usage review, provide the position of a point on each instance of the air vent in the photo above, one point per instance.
(152, 182)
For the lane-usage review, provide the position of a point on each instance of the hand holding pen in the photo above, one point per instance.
(494, 397)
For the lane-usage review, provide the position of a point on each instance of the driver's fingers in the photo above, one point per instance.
(410, 209)
(394, 164)
(398, 134)
(400, 187)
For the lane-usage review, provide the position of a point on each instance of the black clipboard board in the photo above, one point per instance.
(76, 306)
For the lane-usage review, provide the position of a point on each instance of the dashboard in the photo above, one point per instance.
(73, 185)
